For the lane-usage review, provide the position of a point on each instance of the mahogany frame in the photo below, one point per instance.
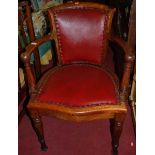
(24, 15)
(115, 113)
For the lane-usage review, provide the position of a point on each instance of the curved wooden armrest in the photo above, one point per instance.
(26, 59)
(129, 52)
(33, 46)
(129, 60)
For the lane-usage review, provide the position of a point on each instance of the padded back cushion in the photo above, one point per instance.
(81, 34)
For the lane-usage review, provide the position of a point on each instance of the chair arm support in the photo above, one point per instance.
(129, 52)
(129, 60)
(25, 57)
(34, 45)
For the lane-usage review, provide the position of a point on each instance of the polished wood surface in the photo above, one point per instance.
(25, 26)
(132, 26)
(115, 113)
(132, 43)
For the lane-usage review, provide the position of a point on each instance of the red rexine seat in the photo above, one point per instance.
(80, 87)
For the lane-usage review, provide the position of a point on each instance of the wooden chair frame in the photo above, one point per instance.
(24, 15)
(115, 113)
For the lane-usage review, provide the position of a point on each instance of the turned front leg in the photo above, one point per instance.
(116, 126)
(38, 127)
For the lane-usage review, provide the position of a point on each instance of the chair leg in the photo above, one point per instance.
(38, 127)
(116, 126)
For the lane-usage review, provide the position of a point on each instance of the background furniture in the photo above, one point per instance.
(133, 99)
(132, 26)
(25, 36)
(44, 4)
(132, 43)
(81, 87)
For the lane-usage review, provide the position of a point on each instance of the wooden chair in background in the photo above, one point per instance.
(132, 43)
(80, 87)
(25, 36)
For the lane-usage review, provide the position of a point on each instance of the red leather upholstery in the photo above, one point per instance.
(78, 85)
(81, 34)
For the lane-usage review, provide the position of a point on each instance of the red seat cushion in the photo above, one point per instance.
(78, 85)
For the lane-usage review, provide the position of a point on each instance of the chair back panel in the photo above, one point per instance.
(81, 32)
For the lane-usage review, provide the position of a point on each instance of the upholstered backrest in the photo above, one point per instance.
(81, 31)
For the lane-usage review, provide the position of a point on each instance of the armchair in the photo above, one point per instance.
(80, 87)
